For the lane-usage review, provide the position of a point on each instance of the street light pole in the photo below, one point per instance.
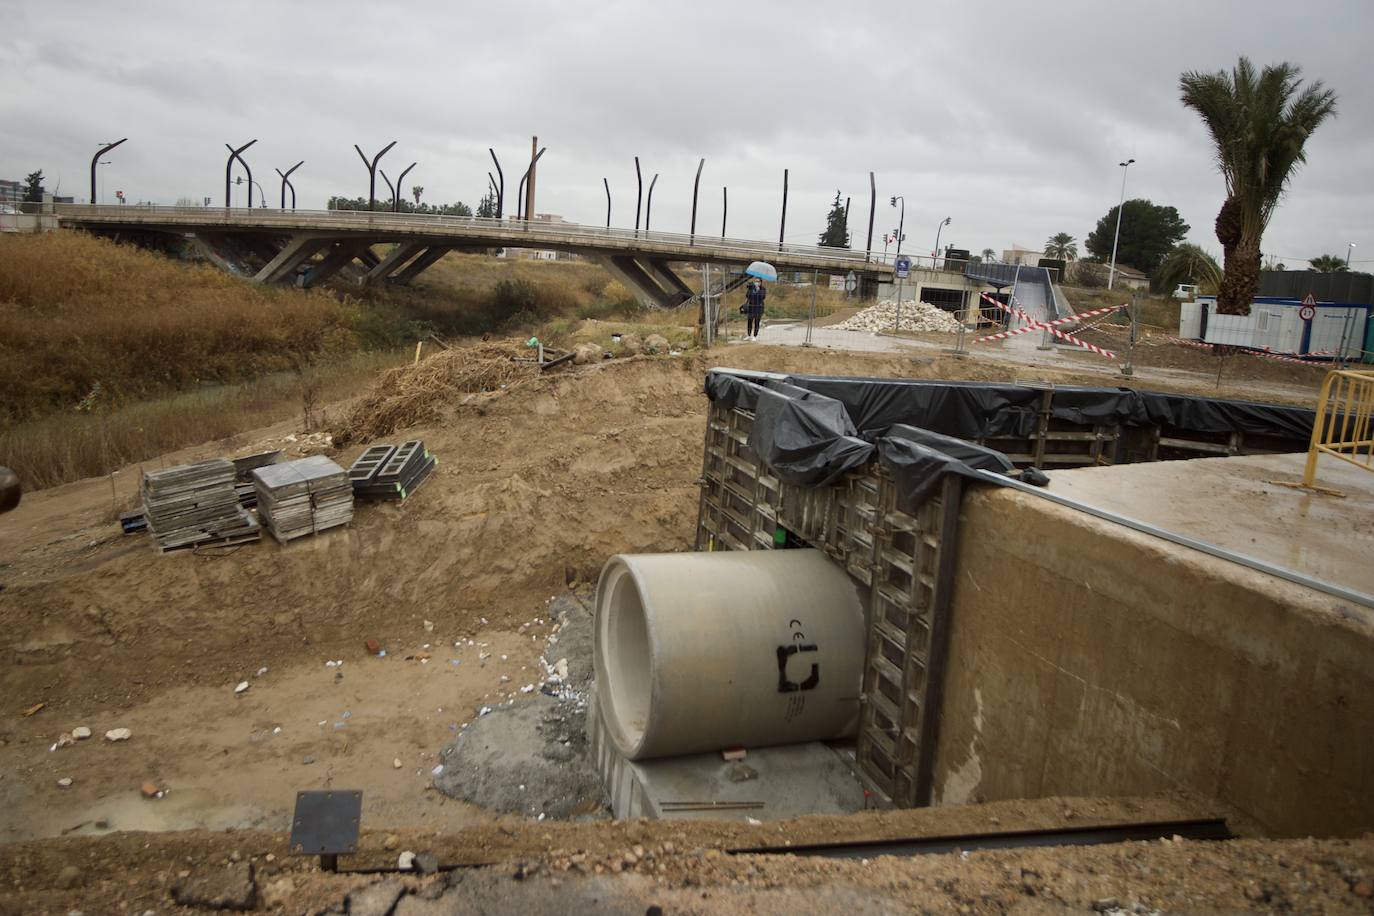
(95, 160)
(901, 220)
(1348, 249)
(938, 230)
(1111, 274)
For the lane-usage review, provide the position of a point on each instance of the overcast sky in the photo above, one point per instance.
(1010, 118)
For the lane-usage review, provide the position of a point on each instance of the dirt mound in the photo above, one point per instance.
(415, 394)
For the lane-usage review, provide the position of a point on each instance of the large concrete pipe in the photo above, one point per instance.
(702, 651)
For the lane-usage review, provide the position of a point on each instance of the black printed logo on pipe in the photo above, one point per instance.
(789, 686)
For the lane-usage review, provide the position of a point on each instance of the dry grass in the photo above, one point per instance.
(70, 446)
(85, 322)
(1155, 311)
(414, 394)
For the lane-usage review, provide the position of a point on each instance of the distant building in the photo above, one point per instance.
(533, 254)
(11, 192)
(1130, 278)
(1023, 256)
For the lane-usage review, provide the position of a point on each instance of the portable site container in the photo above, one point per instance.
(1338, 330)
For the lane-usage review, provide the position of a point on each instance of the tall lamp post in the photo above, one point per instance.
(1348, 249)
(901, 221)
(938, 230)
(253, 183)
(1111, 274)
(95, 160)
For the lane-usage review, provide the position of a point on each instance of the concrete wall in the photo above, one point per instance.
(1087, 659)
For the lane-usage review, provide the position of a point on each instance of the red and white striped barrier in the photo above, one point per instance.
(1305, 360)
(1037, 325)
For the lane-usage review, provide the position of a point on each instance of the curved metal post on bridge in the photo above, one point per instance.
(649, 207)
(696, 185)
(389, 186)
(500, 184)
(372, 172)
(400, 184)
(639, 194)
(491, 187)
(286, 183)
(228, 173)
(95, 160)
(724, 207)
(607, 183)
(872, 212)
(520, 194)
(782, 225)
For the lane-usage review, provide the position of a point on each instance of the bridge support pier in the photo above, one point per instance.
(421, 264)
(394, 261)
(651, 281)
(293, 254)
(335, 260)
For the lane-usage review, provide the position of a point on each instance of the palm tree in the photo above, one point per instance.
(989, 256)
(1188, 263)
(417, 190)
(1328, 264)
(1061, 246)
(1259, 123)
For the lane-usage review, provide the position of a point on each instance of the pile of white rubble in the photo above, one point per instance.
(915, 316)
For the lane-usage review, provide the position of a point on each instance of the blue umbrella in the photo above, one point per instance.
(763, 270)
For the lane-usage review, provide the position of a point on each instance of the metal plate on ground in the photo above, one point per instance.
(326, 822)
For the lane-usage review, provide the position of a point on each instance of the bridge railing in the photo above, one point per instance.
(502, 231)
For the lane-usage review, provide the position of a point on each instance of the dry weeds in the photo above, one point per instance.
(415, 394)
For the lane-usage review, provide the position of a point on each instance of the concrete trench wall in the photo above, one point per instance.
(1087, 659)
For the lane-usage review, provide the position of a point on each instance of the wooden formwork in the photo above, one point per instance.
(904, 561)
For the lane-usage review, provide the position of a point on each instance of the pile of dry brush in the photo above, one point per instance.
(415, 394)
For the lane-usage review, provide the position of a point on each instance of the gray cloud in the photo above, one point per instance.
(1006, 117)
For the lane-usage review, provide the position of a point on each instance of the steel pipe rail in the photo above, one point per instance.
(516, 233)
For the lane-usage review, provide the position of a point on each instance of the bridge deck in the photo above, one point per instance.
(379, 227)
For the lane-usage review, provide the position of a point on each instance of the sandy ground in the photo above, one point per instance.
(535, 489)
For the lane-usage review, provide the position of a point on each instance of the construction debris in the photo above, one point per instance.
(391, 472)
(915, 316)
(195, 504)
(301, 497)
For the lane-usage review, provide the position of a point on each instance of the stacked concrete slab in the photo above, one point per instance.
(391, 472)
(194, 504)
(303, 497)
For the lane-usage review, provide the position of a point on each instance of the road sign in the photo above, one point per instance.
(851, 282)
(902, 266)
(1307, 313)
(1310, 300)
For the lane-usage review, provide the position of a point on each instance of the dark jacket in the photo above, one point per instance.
(753, 301)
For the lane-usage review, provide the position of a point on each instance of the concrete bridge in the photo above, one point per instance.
(307, 247)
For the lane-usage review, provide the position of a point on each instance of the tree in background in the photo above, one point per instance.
(836, 234)
(457, 208)
(486, 208)
(1188, 263)
(1148, 233)
(989, 256)
(1061, 245)
(1274, 264)
(1259, 123)
(417, 190)
(1328, 264)
(33, 187)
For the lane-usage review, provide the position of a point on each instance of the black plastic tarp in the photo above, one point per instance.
(813, 429)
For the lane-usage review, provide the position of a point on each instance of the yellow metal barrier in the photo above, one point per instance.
(1344, 427)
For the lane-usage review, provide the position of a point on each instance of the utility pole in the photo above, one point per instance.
(1111, 275)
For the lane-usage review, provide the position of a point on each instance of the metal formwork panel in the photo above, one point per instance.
(911, 579)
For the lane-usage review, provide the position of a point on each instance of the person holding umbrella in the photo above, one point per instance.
(755, 296)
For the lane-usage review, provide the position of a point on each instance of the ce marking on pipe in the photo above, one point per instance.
(785, 684)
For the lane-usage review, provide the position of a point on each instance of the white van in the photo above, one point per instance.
(1186, 291)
